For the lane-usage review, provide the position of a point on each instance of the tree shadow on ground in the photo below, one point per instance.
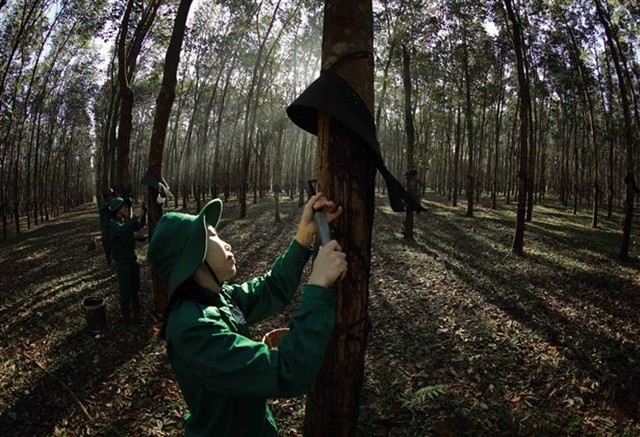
(522, 346)
(76, 369)
(479, 269)
(60, 248)
(55, 364)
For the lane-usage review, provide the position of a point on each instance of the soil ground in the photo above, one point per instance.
(465, 339)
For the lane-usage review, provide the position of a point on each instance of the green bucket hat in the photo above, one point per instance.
(109, 192)
(115, 204)
(179, 243)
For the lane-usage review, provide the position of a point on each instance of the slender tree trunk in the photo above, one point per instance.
(277, 168)
(385, 81)
(469, 119)
(456, 157)
(510, 155)
(127, 60)
(447, 181)
(302, 172)
(499, 111)
(608, 131)
(123, 176)
(625, 92)
(575, 160)
(164, 103)
(531, 152)
(525, 106)
(481, 181)
(411, 177)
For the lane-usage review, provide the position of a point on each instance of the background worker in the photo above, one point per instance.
(122, 228)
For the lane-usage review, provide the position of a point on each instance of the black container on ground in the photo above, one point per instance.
(94, 312)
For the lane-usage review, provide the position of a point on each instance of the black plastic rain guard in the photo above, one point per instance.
(333, 95)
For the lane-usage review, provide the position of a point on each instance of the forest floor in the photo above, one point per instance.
(465, 339)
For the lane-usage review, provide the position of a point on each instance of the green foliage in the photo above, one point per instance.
(423, 397)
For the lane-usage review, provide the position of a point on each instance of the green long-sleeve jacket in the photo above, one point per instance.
(123, 243)
(224, 375)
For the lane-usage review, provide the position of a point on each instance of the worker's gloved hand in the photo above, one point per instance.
(329, 265)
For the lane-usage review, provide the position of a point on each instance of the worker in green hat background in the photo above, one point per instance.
(105, 217)
(224, 375)
(122, 228)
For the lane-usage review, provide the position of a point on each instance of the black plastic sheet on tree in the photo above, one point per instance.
(334, 96)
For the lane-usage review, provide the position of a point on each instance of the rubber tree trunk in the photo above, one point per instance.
(525, 107)
(456, 158)
(127, 61)
(629, 140)
(469, 119)
(496, 155)
(332, 405)
(123, 176)
(411, 178)
(164, 103)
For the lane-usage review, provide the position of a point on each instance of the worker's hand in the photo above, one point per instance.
(329, 265)
(307, 227)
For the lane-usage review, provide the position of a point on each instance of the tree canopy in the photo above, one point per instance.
(243, 62)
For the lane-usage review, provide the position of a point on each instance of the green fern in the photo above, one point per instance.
(422, 397)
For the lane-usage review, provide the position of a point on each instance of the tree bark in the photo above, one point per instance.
(623, 84)
(127, 59)
(525, 105)
(606, 91)
(531, 152)
(123, 178)
(499, 112)
(164, 103)
(411, 178)
(469, 119)
(456, 158)
(332, 405)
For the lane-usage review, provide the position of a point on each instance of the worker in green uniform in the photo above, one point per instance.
(224, 375)
(121, 228)
(105, 218)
